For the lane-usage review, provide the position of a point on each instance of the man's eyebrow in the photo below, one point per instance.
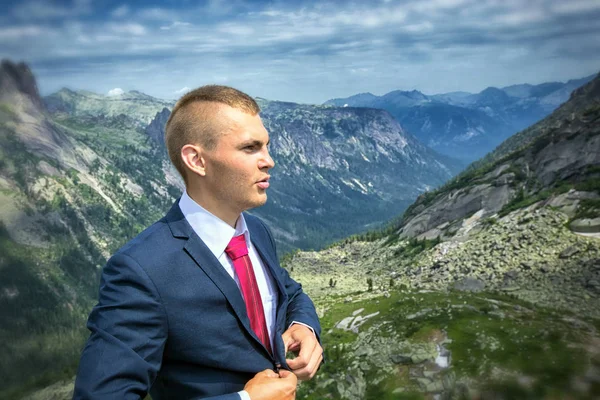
(254, 142)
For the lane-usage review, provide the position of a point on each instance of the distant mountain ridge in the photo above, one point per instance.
(465, 125)
(136, 105)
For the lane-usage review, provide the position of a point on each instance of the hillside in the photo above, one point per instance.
(496, 297)
(486, 288)
(133, 105)
(68, 202)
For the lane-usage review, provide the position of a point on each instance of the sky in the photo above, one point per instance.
(301, 51)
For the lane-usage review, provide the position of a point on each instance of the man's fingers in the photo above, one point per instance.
(269, 373)
(313, 366)
(303, 357)
(294, 347)
(297, 363)
(287, 341)
(306, 370)
(285, 374)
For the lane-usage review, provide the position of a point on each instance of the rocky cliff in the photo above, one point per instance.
(72, 191)
(558, 153)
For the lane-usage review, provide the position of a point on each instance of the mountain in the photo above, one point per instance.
(558, 153)
(156, 129)
(468, 126)
(82, 173)
(73, 190)
(481, 290)
(135, 105)
(487, 287)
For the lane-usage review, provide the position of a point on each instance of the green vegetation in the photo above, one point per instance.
(588, 208)
(7, 111)
(50, 290)
(499, 346)
(415, 247)
(44, 307)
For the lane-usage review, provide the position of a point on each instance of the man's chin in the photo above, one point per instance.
(257, 202)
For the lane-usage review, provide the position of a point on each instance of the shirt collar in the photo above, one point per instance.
(213, 231)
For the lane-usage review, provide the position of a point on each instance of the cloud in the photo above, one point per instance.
(183, 90)
(574, 6)
(20, 32)
(121, 11)
(236, 29)
(115, 92)
(159, 14)
(310, 49)
(126, 28)
(176, 24)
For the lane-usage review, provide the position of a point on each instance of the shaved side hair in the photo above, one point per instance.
(194, 119)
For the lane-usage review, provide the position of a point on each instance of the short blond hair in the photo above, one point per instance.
(192, 120)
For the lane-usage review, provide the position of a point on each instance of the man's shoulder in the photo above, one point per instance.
(154, 241)
(147, 240)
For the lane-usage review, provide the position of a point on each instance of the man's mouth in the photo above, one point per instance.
(263, 183)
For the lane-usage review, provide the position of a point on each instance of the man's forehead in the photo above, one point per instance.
(237, 127)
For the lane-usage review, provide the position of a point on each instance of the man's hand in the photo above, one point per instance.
(268, 385)
(302, 341)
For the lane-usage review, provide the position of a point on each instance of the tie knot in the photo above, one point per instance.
(237, 247)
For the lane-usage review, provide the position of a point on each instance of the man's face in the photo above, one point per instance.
(237, 168)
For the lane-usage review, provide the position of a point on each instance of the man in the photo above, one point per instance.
(197, 306)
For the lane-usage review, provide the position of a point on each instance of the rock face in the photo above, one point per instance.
(562, 150)
(466, 125)
(156, 129)
(28, 120)
(17, 78)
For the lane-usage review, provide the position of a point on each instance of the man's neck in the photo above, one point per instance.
(229, 217)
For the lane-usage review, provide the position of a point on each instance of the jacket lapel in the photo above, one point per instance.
(262, 244)
(269, 262)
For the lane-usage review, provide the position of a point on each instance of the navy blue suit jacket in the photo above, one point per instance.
(171, 320)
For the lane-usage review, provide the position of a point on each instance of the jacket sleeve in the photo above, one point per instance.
(123, 354)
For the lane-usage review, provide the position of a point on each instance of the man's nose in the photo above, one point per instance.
(267, 161)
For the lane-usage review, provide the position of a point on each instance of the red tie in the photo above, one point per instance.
(238, 252)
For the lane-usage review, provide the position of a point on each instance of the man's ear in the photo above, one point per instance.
(191, 155)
